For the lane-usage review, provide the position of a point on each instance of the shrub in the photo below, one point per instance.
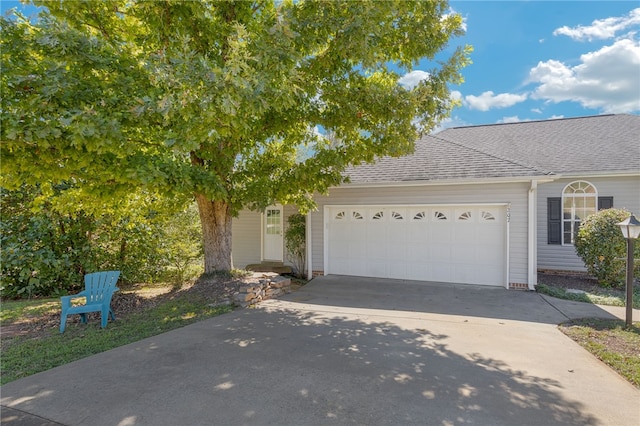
(46, 252)
(295, 237)
(603, 249)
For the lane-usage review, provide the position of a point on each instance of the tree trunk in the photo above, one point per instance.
(215, 218)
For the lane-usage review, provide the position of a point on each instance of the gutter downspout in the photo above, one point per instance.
(307, 227)
(532, 244)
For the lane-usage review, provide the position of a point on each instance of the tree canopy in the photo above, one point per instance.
(217, 100)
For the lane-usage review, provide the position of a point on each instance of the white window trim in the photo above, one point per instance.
(573, 221)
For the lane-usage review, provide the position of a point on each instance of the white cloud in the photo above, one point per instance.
(448, 123)
(516, 119)
(488, 100)
(455, 95)
(412, 79)
(601, 29)
(607, 79)
(513, 119)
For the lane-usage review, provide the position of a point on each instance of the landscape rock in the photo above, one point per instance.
(265, 285)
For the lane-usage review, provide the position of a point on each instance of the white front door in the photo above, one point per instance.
(273, 234)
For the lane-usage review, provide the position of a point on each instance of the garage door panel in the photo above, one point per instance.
(357, 250)
(489, 255)
(416, 252)
(441, 232)
(464, 244)
(376, 233)
(440, 253)
(466, 273)
(377, 251)
(463, 253)
(398, 270)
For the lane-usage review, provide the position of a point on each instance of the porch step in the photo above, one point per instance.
(277, 267)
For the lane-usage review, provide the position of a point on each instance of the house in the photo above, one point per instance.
(486, 205)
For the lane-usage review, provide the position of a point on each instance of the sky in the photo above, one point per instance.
(539, 60)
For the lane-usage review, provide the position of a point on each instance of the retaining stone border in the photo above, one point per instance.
(267, 285)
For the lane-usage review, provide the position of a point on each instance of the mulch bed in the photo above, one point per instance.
(575, 281)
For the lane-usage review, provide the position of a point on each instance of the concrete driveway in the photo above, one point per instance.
(346, 350)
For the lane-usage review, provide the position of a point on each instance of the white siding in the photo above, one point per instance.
(513, 193)
(626, 194)
(246, 238)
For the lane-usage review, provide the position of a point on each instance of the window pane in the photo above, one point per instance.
(273, 222)
(567, 204)
(567, 232)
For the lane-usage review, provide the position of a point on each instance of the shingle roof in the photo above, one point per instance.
(597, 144)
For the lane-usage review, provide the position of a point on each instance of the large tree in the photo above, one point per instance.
(225, 101)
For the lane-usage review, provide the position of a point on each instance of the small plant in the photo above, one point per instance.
(602, 247)
(295, 240)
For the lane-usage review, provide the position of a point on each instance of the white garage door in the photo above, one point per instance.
(460, 244)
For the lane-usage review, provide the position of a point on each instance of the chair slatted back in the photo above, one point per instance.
(100, 285)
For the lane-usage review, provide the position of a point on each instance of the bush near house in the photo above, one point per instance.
(603, 249)
(295, 237)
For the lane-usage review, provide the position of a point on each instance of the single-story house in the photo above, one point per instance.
(487, 205)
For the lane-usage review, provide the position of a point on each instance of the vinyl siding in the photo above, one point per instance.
(247, 237)
(513, 193)
(626, 194)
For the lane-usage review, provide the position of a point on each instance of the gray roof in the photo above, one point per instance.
(585, 145)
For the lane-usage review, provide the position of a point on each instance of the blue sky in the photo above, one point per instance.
(537, 60)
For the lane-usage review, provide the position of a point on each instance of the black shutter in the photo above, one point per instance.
(554, 220)
(605, 203)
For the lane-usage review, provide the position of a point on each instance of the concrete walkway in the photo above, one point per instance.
(346, 350)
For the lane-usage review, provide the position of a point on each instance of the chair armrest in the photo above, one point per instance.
(66, 300)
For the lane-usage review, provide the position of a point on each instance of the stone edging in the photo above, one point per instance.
(267, 285)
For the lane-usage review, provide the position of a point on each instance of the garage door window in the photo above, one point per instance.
(438, 215)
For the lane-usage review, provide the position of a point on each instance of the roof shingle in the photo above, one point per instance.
(585, 145)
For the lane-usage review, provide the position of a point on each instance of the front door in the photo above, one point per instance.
(273, 239)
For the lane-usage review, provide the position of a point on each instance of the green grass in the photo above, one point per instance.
(610, 341)
(14, 310)
(600, 296)
(23, 356)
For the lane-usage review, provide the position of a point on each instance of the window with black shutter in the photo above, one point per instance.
(605, 203)
(554, 220)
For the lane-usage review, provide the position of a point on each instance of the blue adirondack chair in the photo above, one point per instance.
(98, 289)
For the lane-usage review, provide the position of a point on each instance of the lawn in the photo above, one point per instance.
(31, 341)
(611, 342)
(608, 340)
